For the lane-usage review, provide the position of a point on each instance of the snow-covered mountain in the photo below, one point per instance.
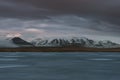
(75, 41)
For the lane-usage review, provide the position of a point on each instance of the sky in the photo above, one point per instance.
(95, 19)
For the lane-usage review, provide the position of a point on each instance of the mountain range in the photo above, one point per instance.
(74, 42)
(58, 42)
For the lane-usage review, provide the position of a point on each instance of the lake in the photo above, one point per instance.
(60, 66)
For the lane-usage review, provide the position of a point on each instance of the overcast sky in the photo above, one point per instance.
(96, 19)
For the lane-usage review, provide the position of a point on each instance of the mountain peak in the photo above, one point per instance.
(20, 42)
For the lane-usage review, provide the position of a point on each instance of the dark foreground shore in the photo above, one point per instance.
(58, 49)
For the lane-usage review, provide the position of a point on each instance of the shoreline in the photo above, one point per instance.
(58, 49)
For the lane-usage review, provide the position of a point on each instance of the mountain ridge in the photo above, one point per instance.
(74, 41)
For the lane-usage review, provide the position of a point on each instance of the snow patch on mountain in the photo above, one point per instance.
(74, 41)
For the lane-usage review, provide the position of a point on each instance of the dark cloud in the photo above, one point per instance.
(14, 9)
(107, 10)
(39, 8)
(73, 5)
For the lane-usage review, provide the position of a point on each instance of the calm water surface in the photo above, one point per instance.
(60, 66)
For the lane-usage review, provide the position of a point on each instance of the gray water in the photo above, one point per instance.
(60, 66)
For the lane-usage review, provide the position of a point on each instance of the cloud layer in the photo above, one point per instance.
(58, 26)
(36, 18)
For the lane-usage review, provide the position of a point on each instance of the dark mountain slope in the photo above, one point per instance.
(21, 43)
